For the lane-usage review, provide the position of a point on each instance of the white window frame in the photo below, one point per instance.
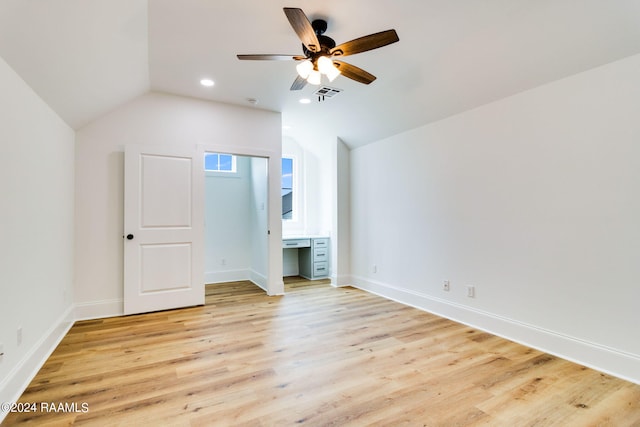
(294, 188)
(234, 168)
(295, 225)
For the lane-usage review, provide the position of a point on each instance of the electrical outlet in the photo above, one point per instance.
(223, 261)
(19, 335)
(374, 268)
(471, 291)
(446, 286)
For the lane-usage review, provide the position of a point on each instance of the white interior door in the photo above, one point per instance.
(163, 229)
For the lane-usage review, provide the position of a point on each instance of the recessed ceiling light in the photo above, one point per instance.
(206, 82)
(305, 101)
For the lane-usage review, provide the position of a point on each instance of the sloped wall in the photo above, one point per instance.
(533, 200)
(36, 231)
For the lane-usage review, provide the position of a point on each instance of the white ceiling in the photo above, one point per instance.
(86, 57)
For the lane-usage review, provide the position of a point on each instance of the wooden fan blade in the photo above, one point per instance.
(354, 73)
(303, 28)
(298, 83)
(363, 44)
(271, 57)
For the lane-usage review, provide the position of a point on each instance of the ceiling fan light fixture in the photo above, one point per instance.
(332, 73)
(315, 78)
(328, 68)
(324, 64)
(304, 68)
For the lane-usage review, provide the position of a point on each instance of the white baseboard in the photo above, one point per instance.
(279, 285)
(259, 279)
(114, 307)
(12, 387)
(99, 309)
(592, 355)
(227, 276)
(341, 280)
(235, 276)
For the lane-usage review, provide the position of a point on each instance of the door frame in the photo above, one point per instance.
(275, 283)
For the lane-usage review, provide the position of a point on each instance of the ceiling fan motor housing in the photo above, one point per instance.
(319, 26)
(326, 43)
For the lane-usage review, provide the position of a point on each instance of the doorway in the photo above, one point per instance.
(236, 242)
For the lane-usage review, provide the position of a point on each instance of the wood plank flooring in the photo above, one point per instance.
(318, 356)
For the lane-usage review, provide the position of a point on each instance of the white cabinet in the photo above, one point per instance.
(313, 256)
(296, 243)
(314, 260)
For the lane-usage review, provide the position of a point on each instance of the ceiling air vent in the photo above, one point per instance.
(326, 92)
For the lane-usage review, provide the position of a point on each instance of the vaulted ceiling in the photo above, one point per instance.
(87, 57)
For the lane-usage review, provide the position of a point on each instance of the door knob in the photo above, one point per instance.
(129, 236)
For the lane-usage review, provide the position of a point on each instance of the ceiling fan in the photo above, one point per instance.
(319, 50)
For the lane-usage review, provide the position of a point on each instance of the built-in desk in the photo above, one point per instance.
(313, 255)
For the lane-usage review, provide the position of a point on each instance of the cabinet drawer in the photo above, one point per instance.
(320, 255)
(320, 243)
(296, 243)
(320, 269)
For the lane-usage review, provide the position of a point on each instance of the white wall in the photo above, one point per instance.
(298, 225)
(314, 176)
(534, 200)
(258, 224)
(316, 165)
(153, 119)
(319, 166)
(36, 231)
(316, 160)
(341, 243)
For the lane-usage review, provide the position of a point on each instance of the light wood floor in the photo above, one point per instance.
(317, 356)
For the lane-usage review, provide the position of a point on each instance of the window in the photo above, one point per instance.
(217, 162)
(287, 188)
